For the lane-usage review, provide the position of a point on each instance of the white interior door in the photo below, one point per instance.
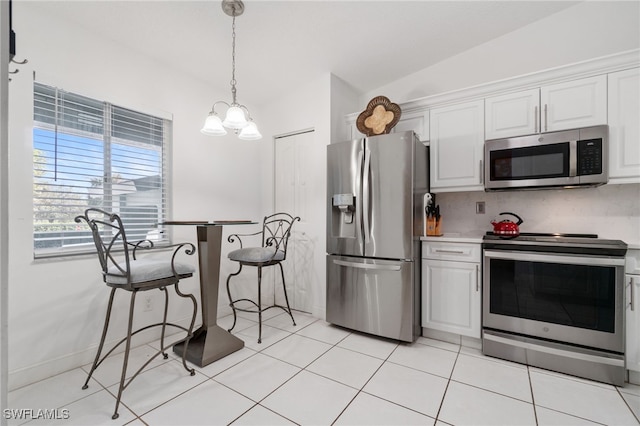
(298, 177)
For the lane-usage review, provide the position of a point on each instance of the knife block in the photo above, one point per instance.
(433, 227)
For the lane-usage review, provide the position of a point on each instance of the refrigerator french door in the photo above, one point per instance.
(375, 190)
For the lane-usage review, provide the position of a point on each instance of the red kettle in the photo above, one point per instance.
(506, 227)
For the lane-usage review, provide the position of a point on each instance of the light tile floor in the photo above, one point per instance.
(318, 374)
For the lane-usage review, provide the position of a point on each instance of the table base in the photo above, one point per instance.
(209, 345)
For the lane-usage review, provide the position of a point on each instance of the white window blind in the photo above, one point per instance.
(89, 153)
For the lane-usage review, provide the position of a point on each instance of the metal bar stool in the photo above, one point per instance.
(276, 230)
(121, 269)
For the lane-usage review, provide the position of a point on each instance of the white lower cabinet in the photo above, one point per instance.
(633, 322)
(632, 314)
(451, 288)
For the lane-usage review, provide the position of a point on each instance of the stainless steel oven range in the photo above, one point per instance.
(556, 302)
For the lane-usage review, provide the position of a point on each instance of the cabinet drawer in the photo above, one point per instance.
(462, 252)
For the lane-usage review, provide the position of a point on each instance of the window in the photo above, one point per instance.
(90, 153)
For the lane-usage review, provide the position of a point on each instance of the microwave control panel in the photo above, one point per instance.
(589, 157)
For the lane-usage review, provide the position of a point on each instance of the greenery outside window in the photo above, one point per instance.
(90, 153)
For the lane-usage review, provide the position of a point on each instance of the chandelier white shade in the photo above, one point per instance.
(213, 126)
(250, 132)
(237, 117)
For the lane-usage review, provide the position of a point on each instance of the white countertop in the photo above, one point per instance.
(456, 237)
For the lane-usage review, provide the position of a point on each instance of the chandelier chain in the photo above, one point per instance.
(233, 58)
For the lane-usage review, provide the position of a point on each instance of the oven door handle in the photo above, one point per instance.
(554, 258)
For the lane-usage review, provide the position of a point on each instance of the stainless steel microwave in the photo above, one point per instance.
(565, 159)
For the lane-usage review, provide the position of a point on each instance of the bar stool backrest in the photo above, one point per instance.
(276, 230)
(111, 243)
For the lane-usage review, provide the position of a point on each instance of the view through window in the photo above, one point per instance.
(90, 153)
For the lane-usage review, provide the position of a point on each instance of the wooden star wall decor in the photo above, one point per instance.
(379, 118)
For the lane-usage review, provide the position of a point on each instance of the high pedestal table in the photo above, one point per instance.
(210, 342)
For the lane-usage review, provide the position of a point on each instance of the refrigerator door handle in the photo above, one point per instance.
(366, 265)
(365, 194)
(358, 214)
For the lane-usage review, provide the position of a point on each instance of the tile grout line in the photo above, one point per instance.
(533, 398)
(444, 395)
(290, 378)
(361, 390)
(627, 404)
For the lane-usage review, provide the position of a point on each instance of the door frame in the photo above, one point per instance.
(274, 180)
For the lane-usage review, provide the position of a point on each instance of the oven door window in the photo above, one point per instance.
(574, 295)
(532, 162)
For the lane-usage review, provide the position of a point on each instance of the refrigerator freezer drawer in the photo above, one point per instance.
(374, 296)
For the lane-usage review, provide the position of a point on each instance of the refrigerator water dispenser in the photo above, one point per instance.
(342, 217)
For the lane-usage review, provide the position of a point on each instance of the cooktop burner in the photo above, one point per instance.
(556, 243)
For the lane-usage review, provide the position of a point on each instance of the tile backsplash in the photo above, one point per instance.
(610, 211)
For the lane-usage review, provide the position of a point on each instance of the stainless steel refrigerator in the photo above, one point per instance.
(375, 217)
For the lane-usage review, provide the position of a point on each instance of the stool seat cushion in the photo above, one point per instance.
(148, 270)
(256, 255)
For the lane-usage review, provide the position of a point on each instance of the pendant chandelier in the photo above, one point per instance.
(237, 118)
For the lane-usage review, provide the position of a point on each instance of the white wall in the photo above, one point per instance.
(304, 108)
(588, 30)
(57, 306)
(4, 207)
(344, 100)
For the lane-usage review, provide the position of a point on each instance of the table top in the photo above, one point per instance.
(208, 223)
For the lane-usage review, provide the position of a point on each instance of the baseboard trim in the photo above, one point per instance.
(37, 372)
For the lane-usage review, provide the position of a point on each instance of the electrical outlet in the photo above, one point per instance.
(480, 207)
(148, 303)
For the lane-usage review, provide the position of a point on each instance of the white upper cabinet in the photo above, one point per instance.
(513, 114)
(417, 120)
(578, 103)
(624, 126)
(457, 147)
(562, 106)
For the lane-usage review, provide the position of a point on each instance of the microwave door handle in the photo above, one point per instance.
(573, 158)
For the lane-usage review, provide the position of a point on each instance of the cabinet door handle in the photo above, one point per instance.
(478, 278)
(448, 251)
(632, 293)
(481, 172)
(546, 116)
(535, 119)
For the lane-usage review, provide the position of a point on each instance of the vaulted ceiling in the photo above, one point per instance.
(281, 44)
